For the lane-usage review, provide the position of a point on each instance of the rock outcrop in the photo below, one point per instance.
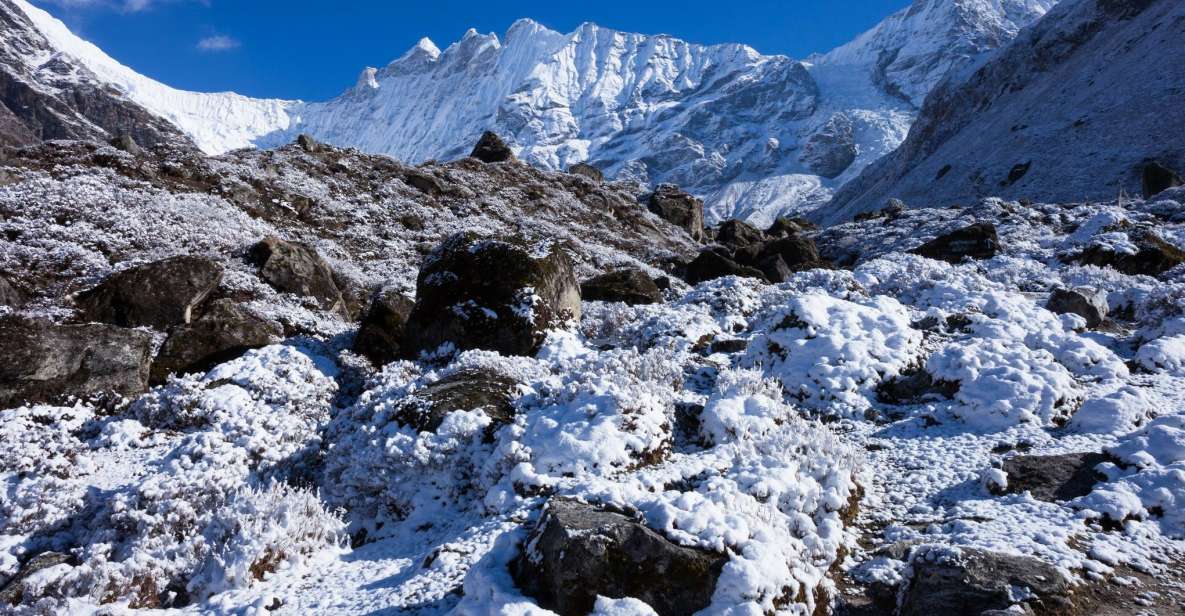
(380, 336)
(679, 208)
(159, 294)
(968, 581)
(977, 241)
(224, 332)
(1153, 256)
(491, 149)
(630, 285)
(294, 267)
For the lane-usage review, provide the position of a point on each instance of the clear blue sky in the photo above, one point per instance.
(314, 50)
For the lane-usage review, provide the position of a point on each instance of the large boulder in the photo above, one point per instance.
(294, 267)
(380, 336)
(630, 285)
(587, 171)
(738, 234)
(1153, 257)
(679, 208)
(576, 553)
(1156, 178)
(491, 148)
(1090, 304)
(500, 295)
(10, 295)
(466, 390)
(44, 361)
(977, 241)
(785, 225)
(160, 294)
(1053, 478)
(224, 332)
(710, 265)
(969, 582)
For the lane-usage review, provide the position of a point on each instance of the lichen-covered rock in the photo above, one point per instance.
(499, 295)
(710, 265)
(380, 336)
(224, 332)
(1153, 256)
(466, 390)
(1053, 478)
(1090, 304)
(630, 285)
(491, 148)
(587, 171)
(576, 553)
(44, 361)
(977, 241)
(159, 294)
(679, 208)
(293, 267)
(969, 581)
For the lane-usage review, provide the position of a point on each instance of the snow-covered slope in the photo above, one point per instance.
(1072, 110)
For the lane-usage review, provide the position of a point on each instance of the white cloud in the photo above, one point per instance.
(218, 42)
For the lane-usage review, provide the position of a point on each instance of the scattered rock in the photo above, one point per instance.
(308, 144)
(914, 387)
(587, 171)
(680, 209)
(631, 286)
(127, 144)
(1154, 256)
(738, 233)
(159, 294)
(10, 295)
(977, 241)
(460, 301)
(380, 336)
(969, 581)
(575, 553)
(1157, 178)
(491, 149)
(1053, 478)
(783, 226)
(467, 390)
(13, 591)
(224, 332)
(293, 267)
(44, 361)
(710, 265)
(1090, 304)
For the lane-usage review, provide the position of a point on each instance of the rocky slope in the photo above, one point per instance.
(1075, 108)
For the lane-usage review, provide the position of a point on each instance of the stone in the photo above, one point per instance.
(13, 592)
(127, 144)
(630, 285)
(799, 253)
(500, 295)
(491, 148)
(380, 336)
(977, 241)
(679, 208)
(423, 182)
(784, 225)
(775, 269)
(1153, 257)
(914, 386)
(294, 267)
(738, 233)
(1053, 478)
(575, 553)
(224, 332)
(10, 295)
(710, 265)
(308, 144)
(587, 171)
(1157, 178)
(159, 294)
(44, 361)
(466, 390)
(970, 581)
(1090, 304)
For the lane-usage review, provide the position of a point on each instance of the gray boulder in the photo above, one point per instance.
(380, 336)
(44, 361)
(587, 171)
(679, 208)
(977, 241)
(1089, 304)
(575, 553)
(1053, 478)
(467, 390)
(294, 267)
(160, 294)
(630, 285)
(491, 149)
(499, 295)
(224, 332)
(969, 581)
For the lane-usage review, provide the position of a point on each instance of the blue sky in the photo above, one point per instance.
(314, 50)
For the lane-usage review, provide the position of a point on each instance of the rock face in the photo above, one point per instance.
(160, 294)
(831, 150)
(977, 241)
(1157, 178)
(491, 149)
(380, 336)
(478, 293)
(1154, 256)
(44, 361)
(1053, 478)
(680, 209)
(587, 171)
(576, 553)
(710, 265)
(972, 581)
(293, 267)
(224, 332)
(631, 286)
(1089, 304)
(468, 390)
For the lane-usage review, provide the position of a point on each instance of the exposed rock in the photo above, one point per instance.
(913, 387)
(977, 241)
(44, 361)
(380, 336)
(679, 208)
(1154, 256)
(127, 144)
(775, 269)
(799, 252)
(467, 390)
(1156, 178)
(969, 581)
(831, 150)
(293, 267)
(631, 286)
(13, 591)
(491, 149)
(479, 293)
(738, 233)
(224, 332)
(423, 182)
(10, 295)
(587, 171)
(575, 553)
(159, 294)
(1090, 304)
(893, 208)
(784, 226)
(710, 265)
(308, 144)
(1053, 478)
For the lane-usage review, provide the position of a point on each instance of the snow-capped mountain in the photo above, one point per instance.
(755, 135)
